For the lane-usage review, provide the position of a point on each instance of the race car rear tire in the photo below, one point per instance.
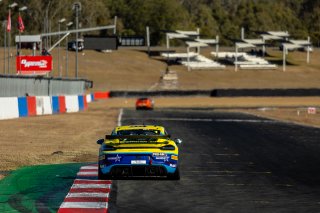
(175, 175)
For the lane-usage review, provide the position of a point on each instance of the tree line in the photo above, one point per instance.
(301, 18)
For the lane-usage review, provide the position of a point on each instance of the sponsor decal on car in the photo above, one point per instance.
(138, 162)
(116, 158)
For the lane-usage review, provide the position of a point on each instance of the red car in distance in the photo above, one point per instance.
(144, 104)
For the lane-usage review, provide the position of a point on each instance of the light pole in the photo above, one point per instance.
(59, 23)
(21, 28)
(4, 24)
(67, 27)
(9, 34)
(77, 7)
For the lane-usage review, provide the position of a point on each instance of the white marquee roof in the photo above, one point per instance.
(207, 41)
(290, 46)
(189, 33)
(196, 44)
(300, 42)
(279, 33)
(254, 41)
(270, 37)
(244, 45)
(176, 35)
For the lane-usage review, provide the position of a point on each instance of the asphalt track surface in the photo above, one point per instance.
(229, 162)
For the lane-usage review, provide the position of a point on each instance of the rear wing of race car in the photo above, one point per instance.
(136, 137)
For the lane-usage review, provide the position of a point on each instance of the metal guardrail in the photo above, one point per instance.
(17, 86)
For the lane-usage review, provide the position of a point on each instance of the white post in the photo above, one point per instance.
(168, 45)
(308, 50)
(5, 46)
(198, 37)
(263, 47)
(148, 39)
(217, 46)
(236, 59)
(242, 33)
(188, 58)
(115, 25)
(284, 58)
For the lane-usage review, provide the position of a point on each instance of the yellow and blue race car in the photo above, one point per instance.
(138, 151)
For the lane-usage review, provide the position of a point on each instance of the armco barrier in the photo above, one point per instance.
(101, 95)
(31, 103)
(72, 103)
(23, 106)
(9, 108)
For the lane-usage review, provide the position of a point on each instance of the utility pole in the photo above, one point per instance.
(59, 68)
(77, 8)
(4, 24)
(67, 57)
(9, 34)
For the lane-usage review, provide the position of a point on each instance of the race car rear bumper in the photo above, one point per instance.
(138, 170)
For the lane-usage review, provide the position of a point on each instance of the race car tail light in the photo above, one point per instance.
(168, 147)
(174, 157)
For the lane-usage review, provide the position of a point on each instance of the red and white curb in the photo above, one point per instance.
(87, 194)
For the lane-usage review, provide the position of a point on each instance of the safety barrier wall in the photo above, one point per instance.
(101, 95)
(15, 107)
(72, 103)
(222, 93)
(9, 108)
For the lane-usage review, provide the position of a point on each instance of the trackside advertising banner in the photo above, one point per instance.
(34, 65)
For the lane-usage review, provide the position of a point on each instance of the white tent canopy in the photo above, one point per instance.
(208, 41)
(300, 42)
(270, 37)
(176, 35)
(254, 41)
(244, 45)
(288, 46)
(188, 33)
(279, 33)
(295, 44)
(173, 36)
(196, 44)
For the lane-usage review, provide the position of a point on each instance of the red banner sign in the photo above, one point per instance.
(38, 65)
